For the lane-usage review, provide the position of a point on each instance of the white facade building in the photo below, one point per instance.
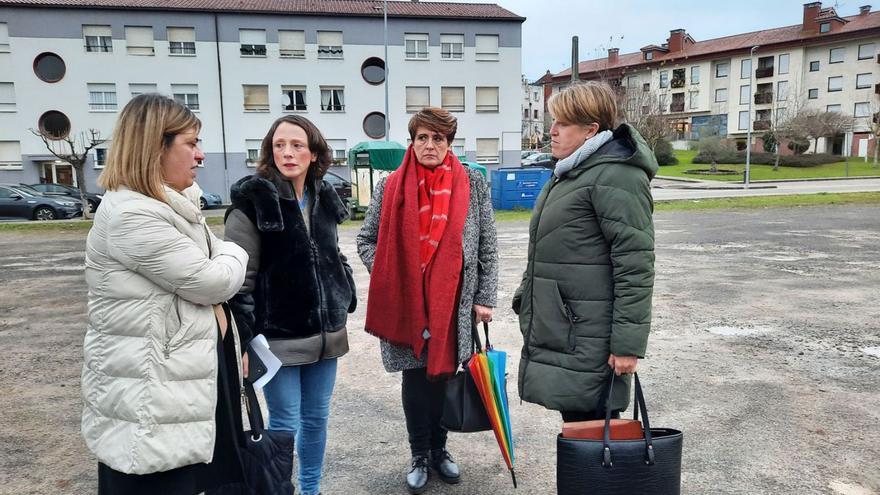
(239, 71)
(532, 114)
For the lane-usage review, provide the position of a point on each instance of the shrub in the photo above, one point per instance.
(769, 141)
(663, 153)
(799, 146)
(810, 160)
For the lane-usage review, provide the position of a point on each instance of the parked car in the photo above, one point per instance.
(527, 153)
(551, 164)
(342, 186)
(65, 190)
(210, 200)
(537, 157)
(24, 202)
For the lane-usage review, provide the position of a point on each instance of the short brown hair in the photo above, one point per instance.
(317, 145)
(585, 103)
(147, 125)
(435, 119)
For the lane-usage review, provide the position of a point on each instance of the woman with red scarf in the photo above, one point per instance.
(429, 240)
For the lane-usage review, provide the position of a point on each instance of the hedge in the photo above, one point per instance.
(739, 157)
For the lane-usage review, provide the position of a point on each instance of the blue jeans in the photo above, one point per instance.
(299, 401)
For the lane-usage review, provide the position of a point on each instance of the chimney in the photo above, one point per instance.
(612, 55)
(811, 11)
(676, 40)
(864, 10)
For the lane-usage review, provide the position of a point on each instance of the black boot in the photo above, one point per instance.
(448, 470)
(417, 479)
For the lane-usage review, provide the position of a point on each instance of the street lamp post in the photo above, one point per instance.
(385, 32)
(749, 123)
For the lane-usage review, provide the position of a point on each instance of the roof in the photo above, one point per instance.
(739, 42)
(370, 8)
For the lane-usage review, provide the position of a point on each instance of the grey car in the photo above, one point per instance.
(70, 191)
(23, 202)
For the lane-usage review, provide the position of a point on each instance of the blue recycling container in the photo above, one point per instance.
(518, 187)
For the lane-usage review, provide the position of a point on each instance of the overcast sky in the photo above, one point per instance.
(632, 24)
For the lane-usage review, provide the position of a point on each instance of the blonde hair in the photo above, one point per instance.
(147, 125)
(585, 103)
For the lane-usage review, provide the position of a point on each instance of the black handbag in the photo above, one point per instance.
(463, 409)
(609, 467)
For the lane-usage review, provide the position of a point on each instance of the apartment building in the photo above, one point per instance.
(828, 62)
(532, 114)
(69, 66)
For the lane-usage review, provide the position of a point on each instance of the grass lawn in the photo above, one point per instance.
(857, 168)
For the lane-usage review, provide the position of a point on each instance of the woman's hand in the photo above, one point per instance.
(483, 313)
(244, 365)
(623, 365)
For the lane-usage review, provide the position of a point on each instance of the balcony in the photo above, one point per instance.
(761, 125)
(676, 83)
(676, 107)
(763, 98)
(763, 72)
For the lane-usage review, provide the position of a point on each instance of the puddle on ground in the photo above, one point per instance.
(872, 351)
(725, 331)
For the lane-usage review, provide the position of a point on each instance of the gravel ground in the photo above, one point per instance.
(765, 352)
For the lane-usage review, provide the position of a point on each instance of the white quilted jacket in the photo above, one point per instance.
(150, 370)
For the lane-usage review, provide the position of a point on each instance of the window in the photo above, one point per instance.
(835, 55)
(694, 100)
(487, 99)
(329, 44)
(535, 116)
(745, 68)
(452, 98)
(139, 89)
(814, 66)
(745, 92)
(833, 108)
(294, 98)
(780, 115)
(649, 55)
(253, 151)
(487, 150)
(102, 97)
(862, 109)
(373, 70)
(417, 98)
(291, 44)
(338, 151)
(744, 121)
(458, 147)
(10, 156)
(722, 69)
(813, 93)
(863, 81)
(4, 38)
(646, 87)
(416, 46)
(664, 79)
(451, 46)
(783, 63)
(332, 100)
(695, 75)
(7, 97)
(187, 94)
(824, 27)
(253, 42)
(54, 125)
(720, 95)
(374, 125)
(256, 97)
(632, 82)
(139, 40)
(181, 41)
(98, 38)
(866, 51)
(100, 158)
(486, 47)
(536, 97)
(781, 90)
(835, 84)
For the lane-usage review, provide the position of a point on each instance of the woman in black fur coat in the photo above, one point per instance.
(299, 287)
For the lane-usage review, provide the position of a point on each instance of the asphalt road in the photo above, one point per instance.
(765, 351)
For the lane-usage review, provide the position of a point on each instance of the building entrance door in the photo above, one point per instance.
(57, 173)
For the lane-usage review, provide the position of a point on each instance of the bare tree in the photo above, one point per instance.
(815, 124)
(642, 110)
(74, 149)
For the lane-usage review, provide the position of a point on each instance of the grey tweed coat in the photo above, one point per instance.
(480, 280)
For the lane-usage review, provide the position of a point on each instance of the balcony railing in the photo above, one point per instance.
(763, 98)
(676, 83)
(676, 107)
(765, 72)
(761, 125)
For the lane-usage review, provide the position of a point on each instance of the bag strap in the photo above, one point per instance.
(476, 343)
(639, 405)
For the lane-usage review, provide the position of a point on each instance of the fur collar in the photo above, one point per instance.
(262, 195)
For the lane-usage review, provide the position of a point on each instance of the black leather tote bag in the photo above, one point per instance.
(463, 409)
(649, 466)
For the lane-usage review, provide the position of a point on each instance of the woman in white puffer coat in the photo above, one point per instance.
(160, 377)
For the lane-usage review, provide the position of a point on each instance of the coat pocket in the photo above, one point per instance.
(552, 319)
(173, 326)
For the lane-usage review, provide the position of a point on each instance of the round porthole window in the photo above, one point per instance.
(49, 67)
(373, 70)
(374, 125)
(54, 125)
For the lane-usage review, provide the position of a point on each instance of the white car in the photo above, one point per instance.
(536, 157)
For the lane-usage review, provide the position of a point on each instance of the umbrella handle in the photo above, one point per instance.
(486, 331)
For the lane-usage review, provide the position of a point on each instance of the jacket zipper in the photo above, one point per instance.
(572, 319)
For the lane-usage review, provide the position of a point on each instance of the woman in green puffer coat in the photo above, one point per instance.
(584, 303)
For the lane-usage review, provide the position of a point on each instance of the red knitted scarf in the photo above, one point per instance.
(410, 305)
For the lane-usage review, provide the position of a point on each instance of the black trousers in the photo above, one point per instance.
(423, 407)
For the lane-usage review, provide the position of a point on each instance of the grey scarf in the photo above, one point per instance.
(588, 148)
